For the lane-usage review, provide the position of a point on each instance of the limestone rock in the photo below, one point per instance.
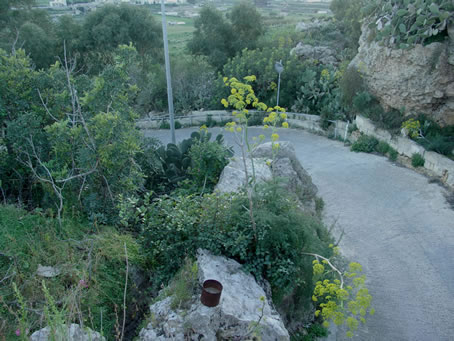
(47, 271)
(306, 26)
(286, 165)
(239, 310)
(323, 54)
(233, 176)
(72, 333)
(420, 79)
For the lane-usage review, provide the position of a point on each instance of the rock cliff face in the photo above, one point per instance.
(420, 79)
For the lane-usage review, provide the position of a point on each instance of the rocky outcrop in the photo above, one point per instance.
(323, 54)
(421, 79)
(72, 333)
(243, 309)
(285, 166)
(233, 177)
(306, 26)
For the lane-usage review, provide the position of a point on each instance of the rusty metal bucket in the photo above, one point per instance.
(211, 293)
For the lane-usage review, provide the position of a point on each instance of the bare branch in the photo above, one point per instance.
(317, 256)
(45, 107)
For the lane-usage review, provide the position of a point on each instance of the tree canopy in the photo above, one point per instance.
(220, 38)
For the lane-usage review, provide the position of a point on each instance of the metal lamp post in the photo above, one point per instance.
(279, 68)
(169, 80)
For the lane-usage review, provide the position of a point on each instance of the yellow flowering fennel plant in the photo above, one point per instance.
(241, 98)
(338, 302)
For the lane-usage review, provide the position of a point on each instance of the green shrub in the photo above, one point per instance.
(182, 286)
(351, 83)
(164, 125)
(396, 24)
(382, 147)
(168, 166)
(365, 143)
(392, 154)
(174, 227)
(417, 160)
(208, 159)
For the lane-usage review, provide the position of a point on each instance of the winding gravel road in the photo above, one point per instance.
(396, 224)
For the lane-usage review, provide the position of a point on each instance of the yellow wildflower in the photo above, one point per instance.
(285, 125)
(266, 126)
(274, 137)
(283, 116)
(224, 102)
(239, 129)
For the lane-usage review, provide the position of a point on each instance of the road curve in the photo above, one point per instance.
(396, 224)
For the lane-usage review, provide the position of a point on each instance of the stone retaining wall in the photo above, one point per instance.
(437, 163)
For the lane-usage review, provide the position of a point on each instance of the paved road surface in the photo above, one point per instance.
(397, 225)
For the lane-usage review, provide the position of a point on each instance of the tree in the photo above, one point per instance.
(79, 150)
(213, 37)
(220, 39)
(349, 14)
(247, 25)
(110, 26)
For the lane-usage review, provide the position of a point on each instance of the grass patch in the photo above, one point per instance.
(91, 262)
(417, 160)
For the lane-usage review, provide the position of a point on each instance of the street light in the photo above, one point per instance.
(279, 68)
(169, 80)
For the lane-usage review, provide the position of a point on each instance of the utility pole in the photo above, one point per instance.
(279, 68)
(169, 80)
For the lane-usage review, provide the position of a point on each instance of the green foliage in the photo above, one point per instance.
(430, 135)
(193, 80)
(340, 302)
(351, 83)
(349, 14)
(392, 154)
(220, 39)
(183, 285)
(260, 63)
(108, 27)
(208, 159)
(174, 227)
(404, 23)
(319, 93)
(368, 105)
(413, 127)
(91, 260)
(365, 144)
(196, 159)
(382, 147)
(78, 148)
(313, 333)
(417, 160)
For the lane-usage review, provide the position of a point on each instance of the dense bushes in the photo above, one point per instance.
(365, 144)
(173, 227)
(369, 144)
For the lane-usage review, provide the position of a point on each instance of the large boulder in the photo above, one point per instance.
(233, 177)
(268, 163)
(287, 166)
(420, 79)
(324, 54)
(243, 305)
(72, 333)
